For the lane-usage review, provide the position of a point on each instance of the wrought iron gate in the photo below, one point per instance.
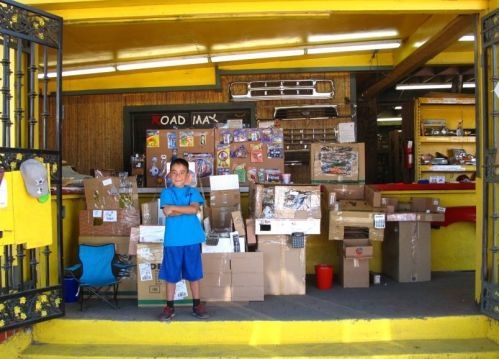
(490, 142)
(30, 127)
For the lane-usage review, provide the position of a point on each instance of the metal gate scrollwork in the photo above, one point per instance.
(30, 124)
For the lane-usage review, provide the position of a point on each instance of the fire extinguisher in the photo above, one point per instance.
(408, 154)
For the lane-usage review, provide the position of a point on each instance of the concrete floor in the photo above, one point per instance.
(447, 294)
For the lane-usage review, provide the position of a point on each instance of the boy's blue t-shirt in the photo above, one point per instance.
(184, 229)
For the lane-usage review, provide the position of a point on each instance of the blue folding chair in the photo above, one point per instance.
(97, 272)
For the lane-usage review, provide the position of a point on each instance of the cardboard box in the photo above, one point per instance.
(349, 191)
(227, 242)
(284, 267)
(232, 277)
(222, 204)
(247, 276)
(278, 226)
(111, 193)
(225, 198)
(337, 162)
(357, 248)
(297, 202)
(121, 243)
(114, 222)
(216, 283)
(373, 222)
(355, 263)
(250, 231)
(261, 200)
(224, 182)
(355, 272)
(407, 251)
(151, 291)
(151, 234)
(426, 205)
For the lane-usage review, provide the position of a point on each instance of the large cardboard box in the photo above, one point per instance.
(337, 162)
(150, 290)
(407, 251)
(247, 276)
(297, 202)
(373, 222)
(216, 283)
(284, 266)
(225, 198)
(334, 192)
(108, 222)
(232, 277)
(355, 263)
(111, 193)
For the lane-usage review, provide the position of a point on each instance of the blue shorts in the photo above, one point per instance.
(181, 262)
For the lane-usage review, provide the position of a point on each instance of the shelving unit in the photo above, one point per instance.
(445, 142)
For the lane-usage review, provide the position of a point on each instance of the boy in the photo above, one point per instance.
(183, 238)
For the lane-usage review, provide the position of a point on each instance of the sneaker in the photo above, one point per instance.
(167, 314)
(199, 311)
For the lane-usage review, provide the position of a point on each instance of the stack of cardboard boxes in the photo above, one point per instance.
(231, 273)
(356, 219)
(281, 213)
(112, 209)
(407, 245)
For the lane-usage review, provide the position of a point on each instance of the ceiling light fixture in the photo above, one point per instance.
(77, 72)
(257, 55)
(431, 86)
(163, 63)
(361, 46)
(387, 121)
(363, 35)
(468, 38)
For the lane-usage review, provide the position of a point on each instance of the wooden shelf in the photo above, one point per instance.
(448, 168)
(447, 139)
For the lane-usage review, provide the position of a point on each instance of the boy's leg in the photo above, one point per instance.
(198, 309)
(169, 310)
(195, 289)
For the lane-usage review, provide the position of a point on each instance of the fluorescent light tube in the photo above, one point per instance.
(402, 87)
(389, 120)
(79, 72)
(431, 86)
(468, 38)
(352, 36)
(364, 46)
(257, 55)
(163, 63)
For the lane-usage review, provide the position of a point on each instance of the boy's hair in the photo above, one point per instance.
(180, 161)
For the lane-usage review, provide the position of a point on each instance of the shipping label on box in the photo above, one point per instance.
(297, 202)
(151, 234)
(337, 162)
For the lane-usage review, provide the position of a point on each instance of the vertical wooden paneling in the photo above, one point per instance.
(93, 124)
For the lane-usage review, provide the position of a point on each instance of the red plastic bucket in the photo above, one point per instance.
(324, 276)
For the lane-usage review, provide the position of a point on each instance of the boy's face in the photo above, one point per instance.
(178, 175)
